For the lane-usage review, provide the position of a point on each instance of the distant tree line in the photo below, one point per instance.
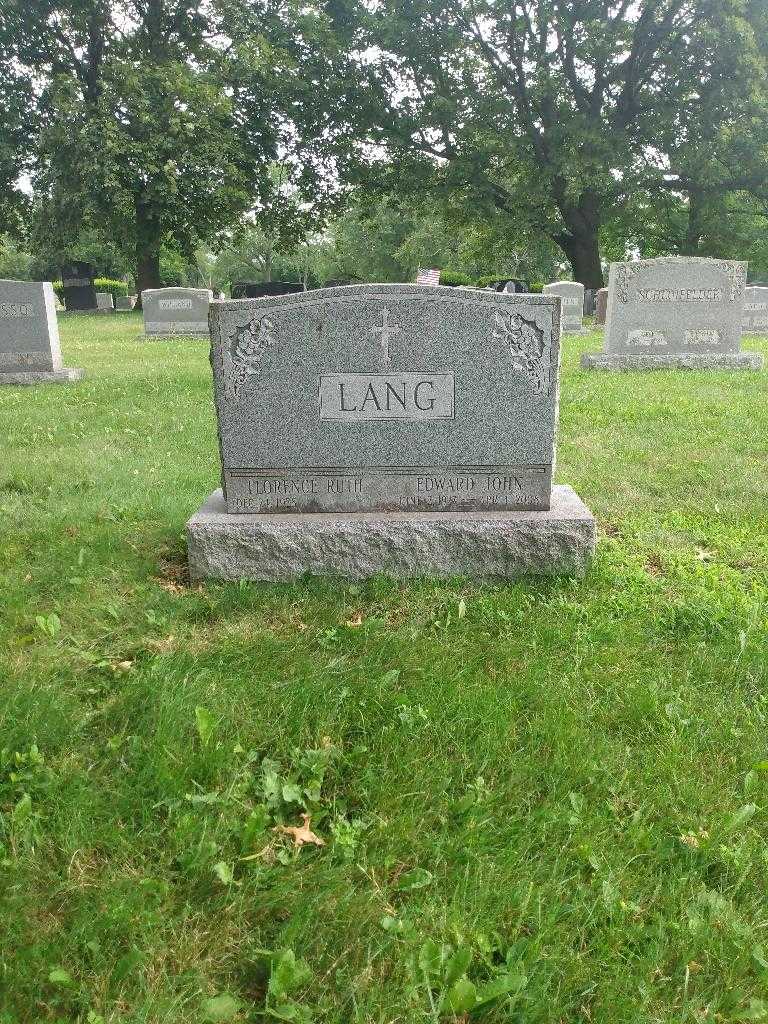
(170, 140)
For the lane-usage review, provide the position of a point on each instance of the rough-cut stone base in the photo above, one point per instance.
(276, 547)
(63, 376)
(672, 361)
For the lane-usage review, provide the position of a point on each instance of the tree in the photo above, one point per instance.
(162, 117)
(17, 129)
(543, 110)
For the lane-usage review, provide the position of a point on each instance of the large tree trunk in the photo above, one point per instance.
(693, 230)
(580, 238)
(148, 238)
(583, 252)
(147, 272)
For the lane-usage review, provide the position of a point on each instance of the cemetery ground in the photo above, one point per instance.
(547, 801)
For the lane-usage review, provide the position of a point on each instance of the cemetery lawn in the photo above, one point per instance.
(547, 800)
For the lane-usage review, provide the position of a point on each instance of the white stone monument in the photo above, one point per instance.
(572, 296)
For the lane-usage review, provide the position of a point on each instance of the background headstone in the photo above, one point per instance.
(182, 311)
(590, 297)
(675, 311)
(77, 284)
(601, 305)
(388, 409)
(259, 289)
(105, 303)
(29, 334)
(513, 285)
(755, 315)
(572, 296)
(125, 302)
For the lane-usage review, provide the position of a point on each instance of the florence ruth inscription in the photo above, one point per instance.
(386, 398)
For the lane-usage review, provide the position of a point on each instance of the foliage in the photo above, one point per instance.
(557, 115)
(454, 277)
(15, 262)
(162, 125)
(101, 284)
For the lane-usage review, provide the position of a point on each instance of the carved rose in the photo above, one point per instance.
(526, 346)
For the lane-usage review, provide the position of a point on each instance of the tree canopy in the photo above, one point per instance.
(558, 114)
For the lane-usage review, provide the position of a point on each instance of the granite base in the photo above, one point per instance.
(277, 547)
(63, 376)
(672, 361)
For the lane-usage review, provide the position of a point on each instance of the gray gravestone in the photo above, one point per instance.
(125, 303)
(755, 315)
(572, 296)
(675, 312)
(590, 297)
(387, 428)
(29, 335)
(104, 302)
(180, 311)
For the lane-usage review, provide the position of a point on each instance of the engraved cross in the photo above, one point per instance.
(387, 331)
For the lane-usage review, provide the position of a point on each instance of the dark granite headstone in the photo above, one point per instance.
(77, 283)
(514, 285)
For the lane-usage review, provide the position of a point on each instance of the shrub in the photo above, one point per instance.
(537, 286)
(107, 284)
(489, 279)
(101, 284)
(453, 278)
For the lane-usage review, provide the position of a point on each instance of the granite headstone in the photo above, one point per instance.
(601, 305)
(29, 335)
(755, 315)
(124, 303)
(572, 296)
(675, 312)
(105, 302)
(399, 428)
(179, 311)
(77, 285)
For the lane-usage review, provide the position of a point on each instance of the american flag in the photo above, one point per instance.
(431, 277)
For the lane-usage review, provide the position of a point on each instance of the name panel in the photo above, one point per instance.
(390, 489)
(356, 397)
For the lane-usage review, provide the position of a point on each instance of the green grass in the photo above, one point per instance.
(557, 778)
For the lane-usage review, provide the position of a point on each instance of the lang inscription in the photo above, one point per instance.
(353, 397)
(386, 398)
